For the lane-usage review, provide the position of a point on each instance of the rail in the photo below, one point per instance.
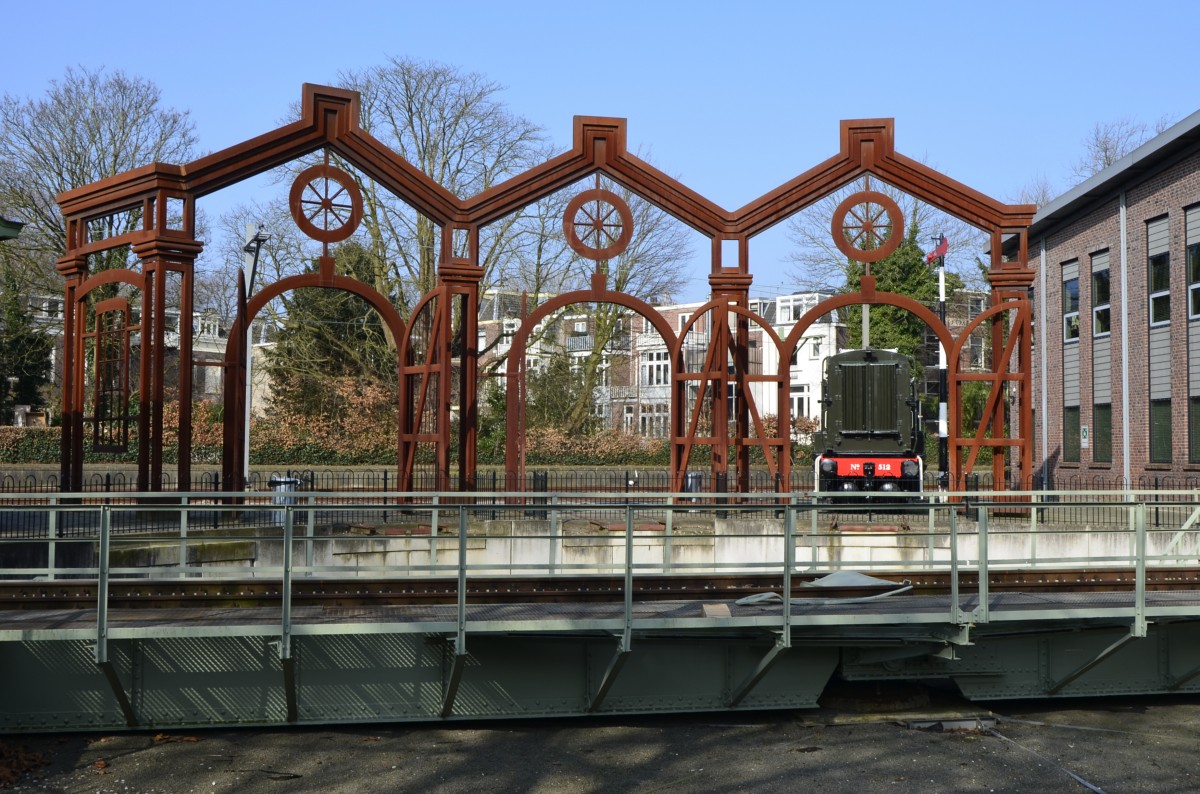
(291, 536)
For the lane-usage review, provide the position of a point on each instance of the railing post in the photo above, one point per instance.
(555, 533)
(433, 536)
(814, 512)
(1035, 513)
(956, 615)
(310, 532)
(183, 537)
(930, 520)
(52, 539)
(285, 648)
(668, 532)
(1139, 608)
(462, 580)
(789, 561)
(981, 611)
(102, 575)
(627, 634)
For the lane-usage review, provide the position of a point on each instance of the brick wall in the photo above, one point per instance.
(1166, 192)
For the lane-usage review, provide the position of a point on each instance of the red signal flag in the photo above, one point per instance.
(941, 250)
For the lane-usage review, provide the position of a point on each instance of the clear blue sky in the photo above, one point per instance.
(994, 94)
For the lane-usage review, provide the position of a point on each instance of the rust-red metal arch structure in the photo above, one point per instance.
(330, 121)
(727, 343)
(515, 367)
(233, 450)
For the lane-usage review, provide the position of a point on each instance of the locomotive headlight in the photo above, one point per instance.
(910, 468)
(828, 466)
(888, 486)
(849, 485)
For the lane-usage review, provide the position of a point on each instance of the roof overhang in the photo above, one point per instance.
(9, 229)
(1134, 168)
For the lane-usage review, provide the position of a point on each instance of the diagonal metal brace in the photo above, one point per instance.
(289, 687)
(454, 679)
(101, 658)
(1178, 681)
(764, 666)
(610, 675)
(1057, 686)
(114, 681)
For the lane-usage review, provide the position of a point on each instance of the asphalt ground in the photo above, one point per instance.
(862, 744)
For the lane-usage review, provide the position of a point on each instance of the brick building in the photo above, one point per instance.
(1117, 299)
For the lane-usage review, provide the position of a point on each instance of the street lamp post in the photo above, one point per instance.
(252, 249)
(943, 386)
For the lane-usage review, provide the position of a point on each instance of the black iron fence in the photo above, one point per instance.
(565, 480)
(606, 479)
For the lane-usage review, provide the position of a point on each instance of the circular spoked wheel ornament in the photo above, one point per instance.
(867, 226)
(598, 224)
(325, 203)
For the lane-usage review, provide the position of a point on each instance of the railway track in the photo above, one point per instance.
(198, 593)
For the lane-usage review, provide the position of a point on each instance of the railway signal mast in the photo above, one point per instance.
(939, 254)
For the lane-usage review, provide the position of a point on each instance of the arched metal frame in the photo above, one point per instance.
(329, 122)
(515, 371)
(233, 449)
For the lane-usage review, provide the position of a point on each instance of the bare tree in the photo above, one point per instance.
(89, 125)
(1109, 141)
(451, 126)
(1037, 191)
(287, 253)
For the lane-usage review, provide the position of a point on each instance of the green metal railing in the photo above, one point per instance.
(555, 535)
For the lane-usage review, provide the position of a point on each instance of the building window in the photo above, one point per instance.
(815, 347)
(1193, 264)
(1071, 434)
(1101, 315)
(1102, 433)
(1160, 431)
(1194, 430)
(1070, 309)
(508, 329)
(975, 352)
(655, 419)
(1160, 289)
(656, 369)
(683, 320)
(800, 402)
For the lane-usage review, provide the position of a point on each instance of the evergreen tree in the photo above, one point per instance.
(904, 272)
(328, 334)
(24, 352)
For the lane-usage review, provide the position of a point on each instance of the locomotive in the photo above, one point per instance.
(871, 443)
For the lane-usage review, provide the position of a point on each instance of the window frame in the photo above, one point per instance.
(1159, 297)
(656, 368)
(1071, 442)
(1154, 452)
(1070, 307)
(1102, 433)
(1104, 307)
(1193, 272)
(1194, 429)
